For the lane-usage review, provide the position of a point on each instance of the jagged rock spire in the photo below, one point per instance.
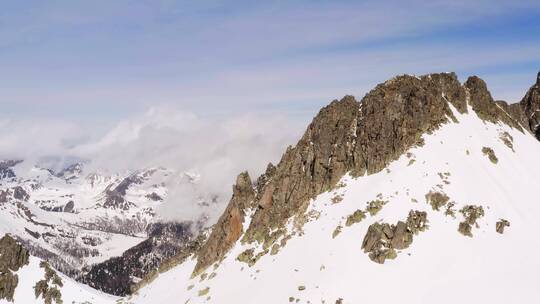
(229, 227)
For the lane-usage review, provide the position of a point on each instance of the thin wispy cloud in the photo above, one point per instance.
(85, 58)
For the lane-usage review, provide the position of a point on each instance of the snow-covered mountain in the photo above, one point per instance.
(425, 191)
(79, 221)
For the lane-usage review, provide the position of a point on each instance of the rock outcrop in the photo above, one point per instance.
(382, 240)
(49, 287)
(229, 227)
(356, 137)
(12, 257)
(530, 107)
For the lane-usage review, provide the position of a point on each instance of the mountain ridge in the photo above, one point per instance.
(361, 137)
(349, 142)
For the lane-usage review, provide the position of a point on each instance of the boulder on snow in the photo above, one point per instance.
(501, 224)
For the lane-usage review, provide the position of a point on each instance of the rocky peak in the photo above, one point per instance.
(348, 136)
(530, 106)
(486, 108)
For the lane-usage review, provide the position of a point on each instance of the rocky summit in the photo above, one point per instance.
(426, 186)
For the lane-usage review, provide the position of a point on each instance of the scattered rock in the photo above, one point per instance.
(248, 256)
(356, 217)
(501, 224)
(382, 240)
(449, 210)
(375, 206)
(49, 287)
(336, 232)
(417, 221)
(507, 139)
(490, 154)
(471, 214)
(437, 199)
(204, 292)
(465, 229)
(336, 199)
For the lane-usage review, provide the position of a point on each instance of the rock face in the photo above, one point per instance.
(229, 227)
(530, 107)
(12, 257)
(382, 240)
(348, 136)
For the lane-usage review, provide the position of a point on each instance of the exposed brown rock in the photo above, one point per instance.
(8, 284)
(356, 217)
(471, 214)
(530, 108)
(12, 257)
(437, 199)
(417, 221)
(490, 154)
(483, 104)
(49, 288)
(374, 206)
(501, 224)
(229, 227)
(382, 240)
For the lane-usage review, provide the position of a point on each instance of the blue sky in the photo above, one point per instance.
(102, 61)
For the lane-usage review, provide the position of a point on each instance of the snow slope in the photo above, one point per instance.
(440, 266)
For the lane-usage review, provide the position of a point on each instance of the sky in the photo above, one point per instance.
(217, 86)
(101, 61)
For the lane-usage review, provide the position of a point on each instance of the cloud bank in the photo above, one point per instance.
(210, 150)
